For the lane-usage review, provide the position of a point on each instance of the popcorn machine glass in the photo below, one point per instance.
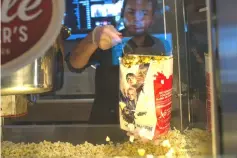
(194, 126)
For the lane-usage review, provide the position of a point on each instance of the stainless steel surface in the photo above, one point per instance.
(42, 101)
(13, 106)
(75, 134)
(212, 65)
(54, 113)
(227, 50)
(43, 75)
(34, 78)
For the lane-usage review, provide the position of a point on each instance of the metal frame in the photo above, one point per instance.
(212, 65)
(181, 64)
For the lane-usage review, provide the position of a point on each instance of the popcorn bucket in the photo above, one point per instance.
(145, 94)
(13, 106)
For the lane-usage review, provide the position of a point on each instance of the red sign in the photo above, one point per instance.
(29, 28)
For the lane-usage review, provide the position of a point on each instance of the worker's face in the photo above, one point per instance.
(131, 80)
(138, 16)
(131, 94)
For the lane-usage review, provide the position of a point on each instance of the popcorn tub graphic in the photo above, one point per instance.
(145, 94)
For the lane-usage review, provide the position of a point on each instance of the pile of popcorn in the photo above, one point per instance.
(130, 60)
(174, 144)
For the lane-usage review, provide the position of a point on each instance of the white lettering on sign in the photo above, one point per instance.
(23, 35)
(7, 34)
(5, 51)
(21, 11)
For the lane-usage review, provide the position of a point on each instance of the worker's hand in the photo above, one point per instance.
(105, 37)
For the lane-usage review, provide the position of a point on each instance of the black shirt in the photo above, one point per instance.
(105, 109)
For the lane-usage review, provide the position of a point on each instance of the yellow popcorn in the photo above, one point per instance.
(141, 152)
(130, 60)
(107, 139)
(149, 156)
(166, 143)
(182, 145)
(170, 153)
(122, 105)
(131, 139)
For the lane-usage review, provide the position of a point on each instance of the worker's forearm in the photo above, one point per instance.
(82, 52)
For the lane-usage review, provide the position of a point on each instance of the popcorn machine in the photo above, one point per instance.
(203, 114)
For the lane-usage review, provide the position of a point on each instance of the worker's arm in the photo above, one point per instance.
(82, 52)
(101, 37)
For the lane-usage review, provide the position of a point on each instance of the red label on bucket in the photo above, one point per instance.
(163, 101)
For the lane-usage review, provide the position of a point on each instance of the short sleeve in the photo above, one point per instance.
(167, 47)
(162, 45)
